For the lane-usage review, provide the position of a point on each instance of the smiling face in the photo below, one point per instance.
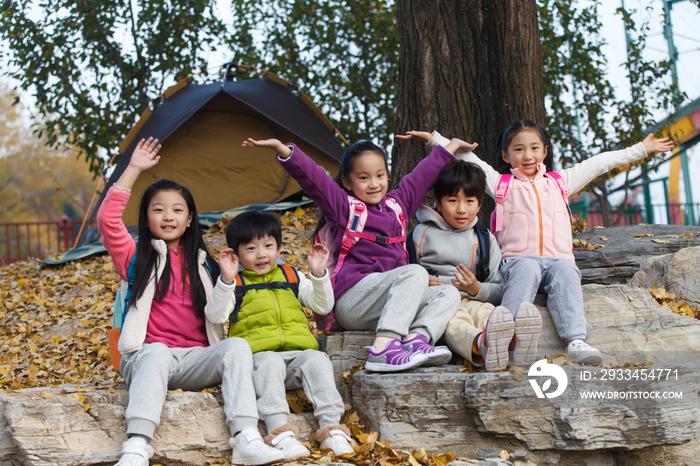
(458, 210)
(259, 255)
(525, 151)
(168, 217)
(369, 179)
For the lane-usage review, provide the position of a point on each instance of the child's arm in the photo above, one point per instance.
(330, 198)
(492, 289)
(223, 299)
(114, 235)
(415, 185)
(492, 176)
(578, 176)
(317, 293)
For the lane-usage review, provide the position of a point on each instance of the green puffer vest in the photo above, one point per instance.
(271, 319)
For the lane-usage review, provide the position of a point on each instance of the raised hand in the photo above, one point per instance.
(145, 155)
(466, 281)
(228, 263)
(272, 144)
(657, 145)
(459, 145)
(418, 135)
(317, 259)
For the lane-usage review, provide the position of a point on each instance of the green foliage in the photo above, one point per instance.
(343, 53)
(94, 65)
(586, 115)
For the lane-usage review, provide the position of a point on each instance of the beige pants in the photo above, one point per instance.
(466, 325)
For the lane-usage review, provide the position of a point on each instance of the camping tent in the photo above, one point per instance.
(201, 128)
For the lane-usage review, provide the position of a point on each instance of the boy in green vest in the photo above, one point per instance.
(262, 306)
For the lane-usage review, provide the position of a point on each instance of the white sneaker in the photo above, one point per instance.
(248, 448)
(290, 446)
(339, 442)
(528, 326)
(135, 452)
(580, 352)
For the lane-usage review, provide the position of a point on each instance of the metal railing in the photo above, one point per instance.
(665, 214)
(24, 240)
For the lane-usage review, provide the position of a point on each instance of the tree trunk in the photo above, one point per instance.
(467, 69)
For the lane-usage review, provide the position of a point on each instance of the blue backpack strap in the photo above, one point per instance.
(410, 247)
(482, 266)
(130, 278)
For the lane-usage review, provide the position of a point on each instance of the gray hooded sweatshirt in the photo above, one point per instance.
(442, 248)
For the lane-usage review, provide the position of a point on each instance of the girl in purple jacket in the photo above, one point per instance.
(375, 289)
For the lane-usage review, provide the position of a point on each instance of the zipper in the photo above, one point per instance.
(278, 314)
(539, 211)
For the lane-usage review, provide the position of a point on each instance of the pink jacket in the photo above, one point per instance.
(535, 218)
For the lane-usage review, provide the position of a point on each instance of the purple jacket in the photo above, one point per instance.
(365, 257)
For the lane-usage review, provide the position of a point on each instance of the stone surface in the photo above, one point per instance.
(51, 427)
(678, 273)
(346, 350)
(622, 255)
(424, 407)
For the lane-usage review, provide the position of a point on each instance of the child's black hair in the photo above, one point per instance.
(515, 128)
(457, 175)
(248, 226)
(347, 164)
(192, 242)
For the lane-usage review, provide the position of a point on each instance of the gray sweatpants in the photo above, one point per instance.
(157, 368)
(276, 372)
(398, 302)
(559, 278)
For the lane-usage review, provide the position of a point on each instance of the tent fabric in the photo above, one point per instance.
(201, 128)
(206, 220)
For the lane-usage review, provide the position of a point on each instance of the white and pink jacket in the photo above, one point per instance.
(535, 216)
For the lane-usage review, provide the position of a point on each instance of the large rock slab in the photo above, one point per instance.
(425, 406)
(678, 273)
(625, 249)
(45, 427)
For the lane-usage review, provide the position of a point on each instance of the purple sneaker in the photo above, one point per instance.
(393, 358)
(437, 355)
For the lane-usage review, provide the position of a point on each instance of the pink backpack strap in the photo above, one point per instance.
(394, 205)
(357, 217)
(500, 195)
(561, 184)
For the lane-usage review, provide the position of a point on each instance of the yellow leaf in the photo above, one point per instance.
(354, 417)
(299, 212)
(518, 372)
(86, 406)
(78, 396)
(504, 454)
(559, 359)
(660, 241)
(296, 407)
(45, 394)
(413, 461)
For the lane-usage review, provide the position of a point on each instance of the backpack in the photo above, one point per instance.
(502, 188)
(482, 266)
(290, 274)
(121, 307)
(357, 217)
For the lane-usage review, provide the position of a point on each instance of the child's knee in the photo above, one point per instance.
(416, 274)
(268, 361)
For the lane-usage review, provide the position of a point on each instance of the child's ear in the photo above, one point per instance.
(438, 206)
(504, 154)
(189, 220)
(347, 184)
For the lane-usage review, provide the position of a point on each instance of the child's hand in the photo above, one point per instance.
(273, 144)
(419, 135)
(657, 145)
(317, 259)
(228, 263)
(434, 281)
(459, 145)
(466, 281)
(145, 155)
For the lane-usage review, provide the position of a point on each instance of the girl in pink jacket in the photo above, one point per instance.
(535, 236)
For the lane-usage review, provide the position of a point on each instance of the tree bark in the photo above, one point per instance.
(467, 69)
